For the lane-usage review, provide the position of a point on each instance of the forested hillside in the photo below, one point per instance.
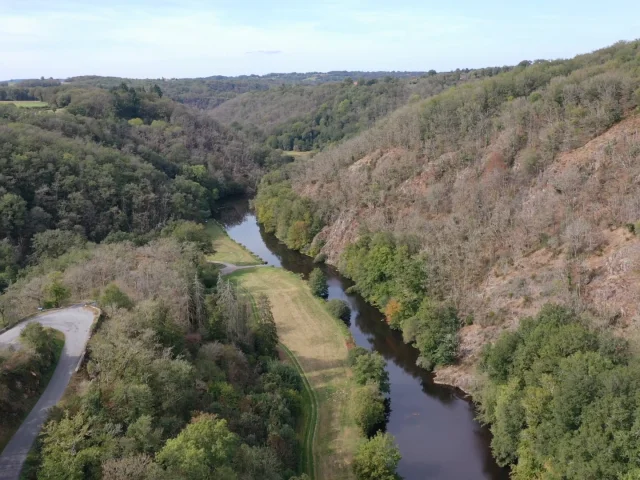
(182, 378)
(100, 163)
(462, 214)
(508, 192)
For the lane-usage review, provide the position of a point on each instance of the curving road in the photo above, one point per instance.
(75, 323)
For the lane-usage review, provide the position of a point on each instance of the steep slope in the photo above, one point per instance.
(516, 189)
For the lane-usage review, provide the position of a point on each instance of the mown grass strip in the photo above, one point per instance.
(310, 400)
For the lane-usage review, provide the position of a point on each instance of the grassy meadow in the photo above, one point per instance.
(318, 343)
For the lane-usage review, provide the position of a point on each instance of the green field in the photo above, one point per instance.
(317, 344)
(226, 250)
(27, 103)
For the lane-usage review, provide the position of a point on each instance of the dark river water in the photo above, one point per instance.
(434, 425)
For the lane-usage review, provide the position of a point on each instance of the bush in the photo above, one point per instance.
(369, 409)
(339, 309)
(318, 283)
(377, 459)
(320, 258)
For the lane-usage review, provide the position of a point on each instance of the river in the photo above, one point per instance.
(433, 424)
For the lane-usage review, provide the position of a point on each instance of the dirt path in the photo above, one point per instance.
(75, 323)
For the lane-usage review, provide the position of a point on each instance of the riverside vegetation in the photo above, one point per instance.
(470, 210)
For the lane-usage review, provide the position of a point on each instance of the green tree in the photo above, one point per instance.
(369, 408)
(377, 459)
(318, 283)
(13, 212)
(204, 447)
(56, 292)
(266, 331)
(370, 368)
(114, 297)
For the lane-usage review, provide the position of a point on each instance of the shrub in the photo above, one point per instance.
(339, 309)
(318, 283)
(320, 258)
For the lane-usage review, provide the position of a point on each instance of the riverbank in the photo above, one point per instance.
(432, 424)
(319, 344)
(225, 250)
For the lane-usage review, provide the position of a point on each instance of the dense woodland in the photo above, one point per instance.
(111, 162)
(182, 379)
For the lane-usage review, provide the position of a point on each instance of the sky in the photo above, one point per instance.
(196, 38)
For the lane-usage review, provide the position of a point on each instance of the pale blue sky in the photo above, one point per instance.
(171, 38)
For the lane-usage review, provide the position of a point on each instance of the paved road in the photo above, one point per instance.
(75, 323)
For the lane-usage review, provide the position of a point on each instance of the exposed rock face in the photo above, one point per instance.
(508, 242)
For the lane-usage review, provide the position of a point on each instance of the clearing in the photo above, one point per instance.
(318, 342)
(27, 103)
(226, 250)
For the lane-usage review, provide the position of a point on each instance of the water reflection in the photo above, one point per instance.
(433, 424)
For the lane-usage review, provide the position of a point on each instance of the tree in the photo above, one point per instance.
(339, 309)
(13, 212)
(203, 447)
(318, 283)
(377, 459)
(266, 332)
(370, 368)
(115, 297)
(369, 408)
(56, 292)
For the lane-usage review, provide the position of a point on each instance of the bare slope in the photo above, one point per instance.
(521, 190)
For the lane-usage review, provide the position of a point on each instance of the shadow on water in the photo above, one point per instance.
(433, 424)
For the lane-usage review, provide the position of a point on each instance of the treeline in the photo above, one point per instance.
(562, 400)
(392, 275)
(116, 162)
(182, 378)
(210, 92)
(389, 272)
